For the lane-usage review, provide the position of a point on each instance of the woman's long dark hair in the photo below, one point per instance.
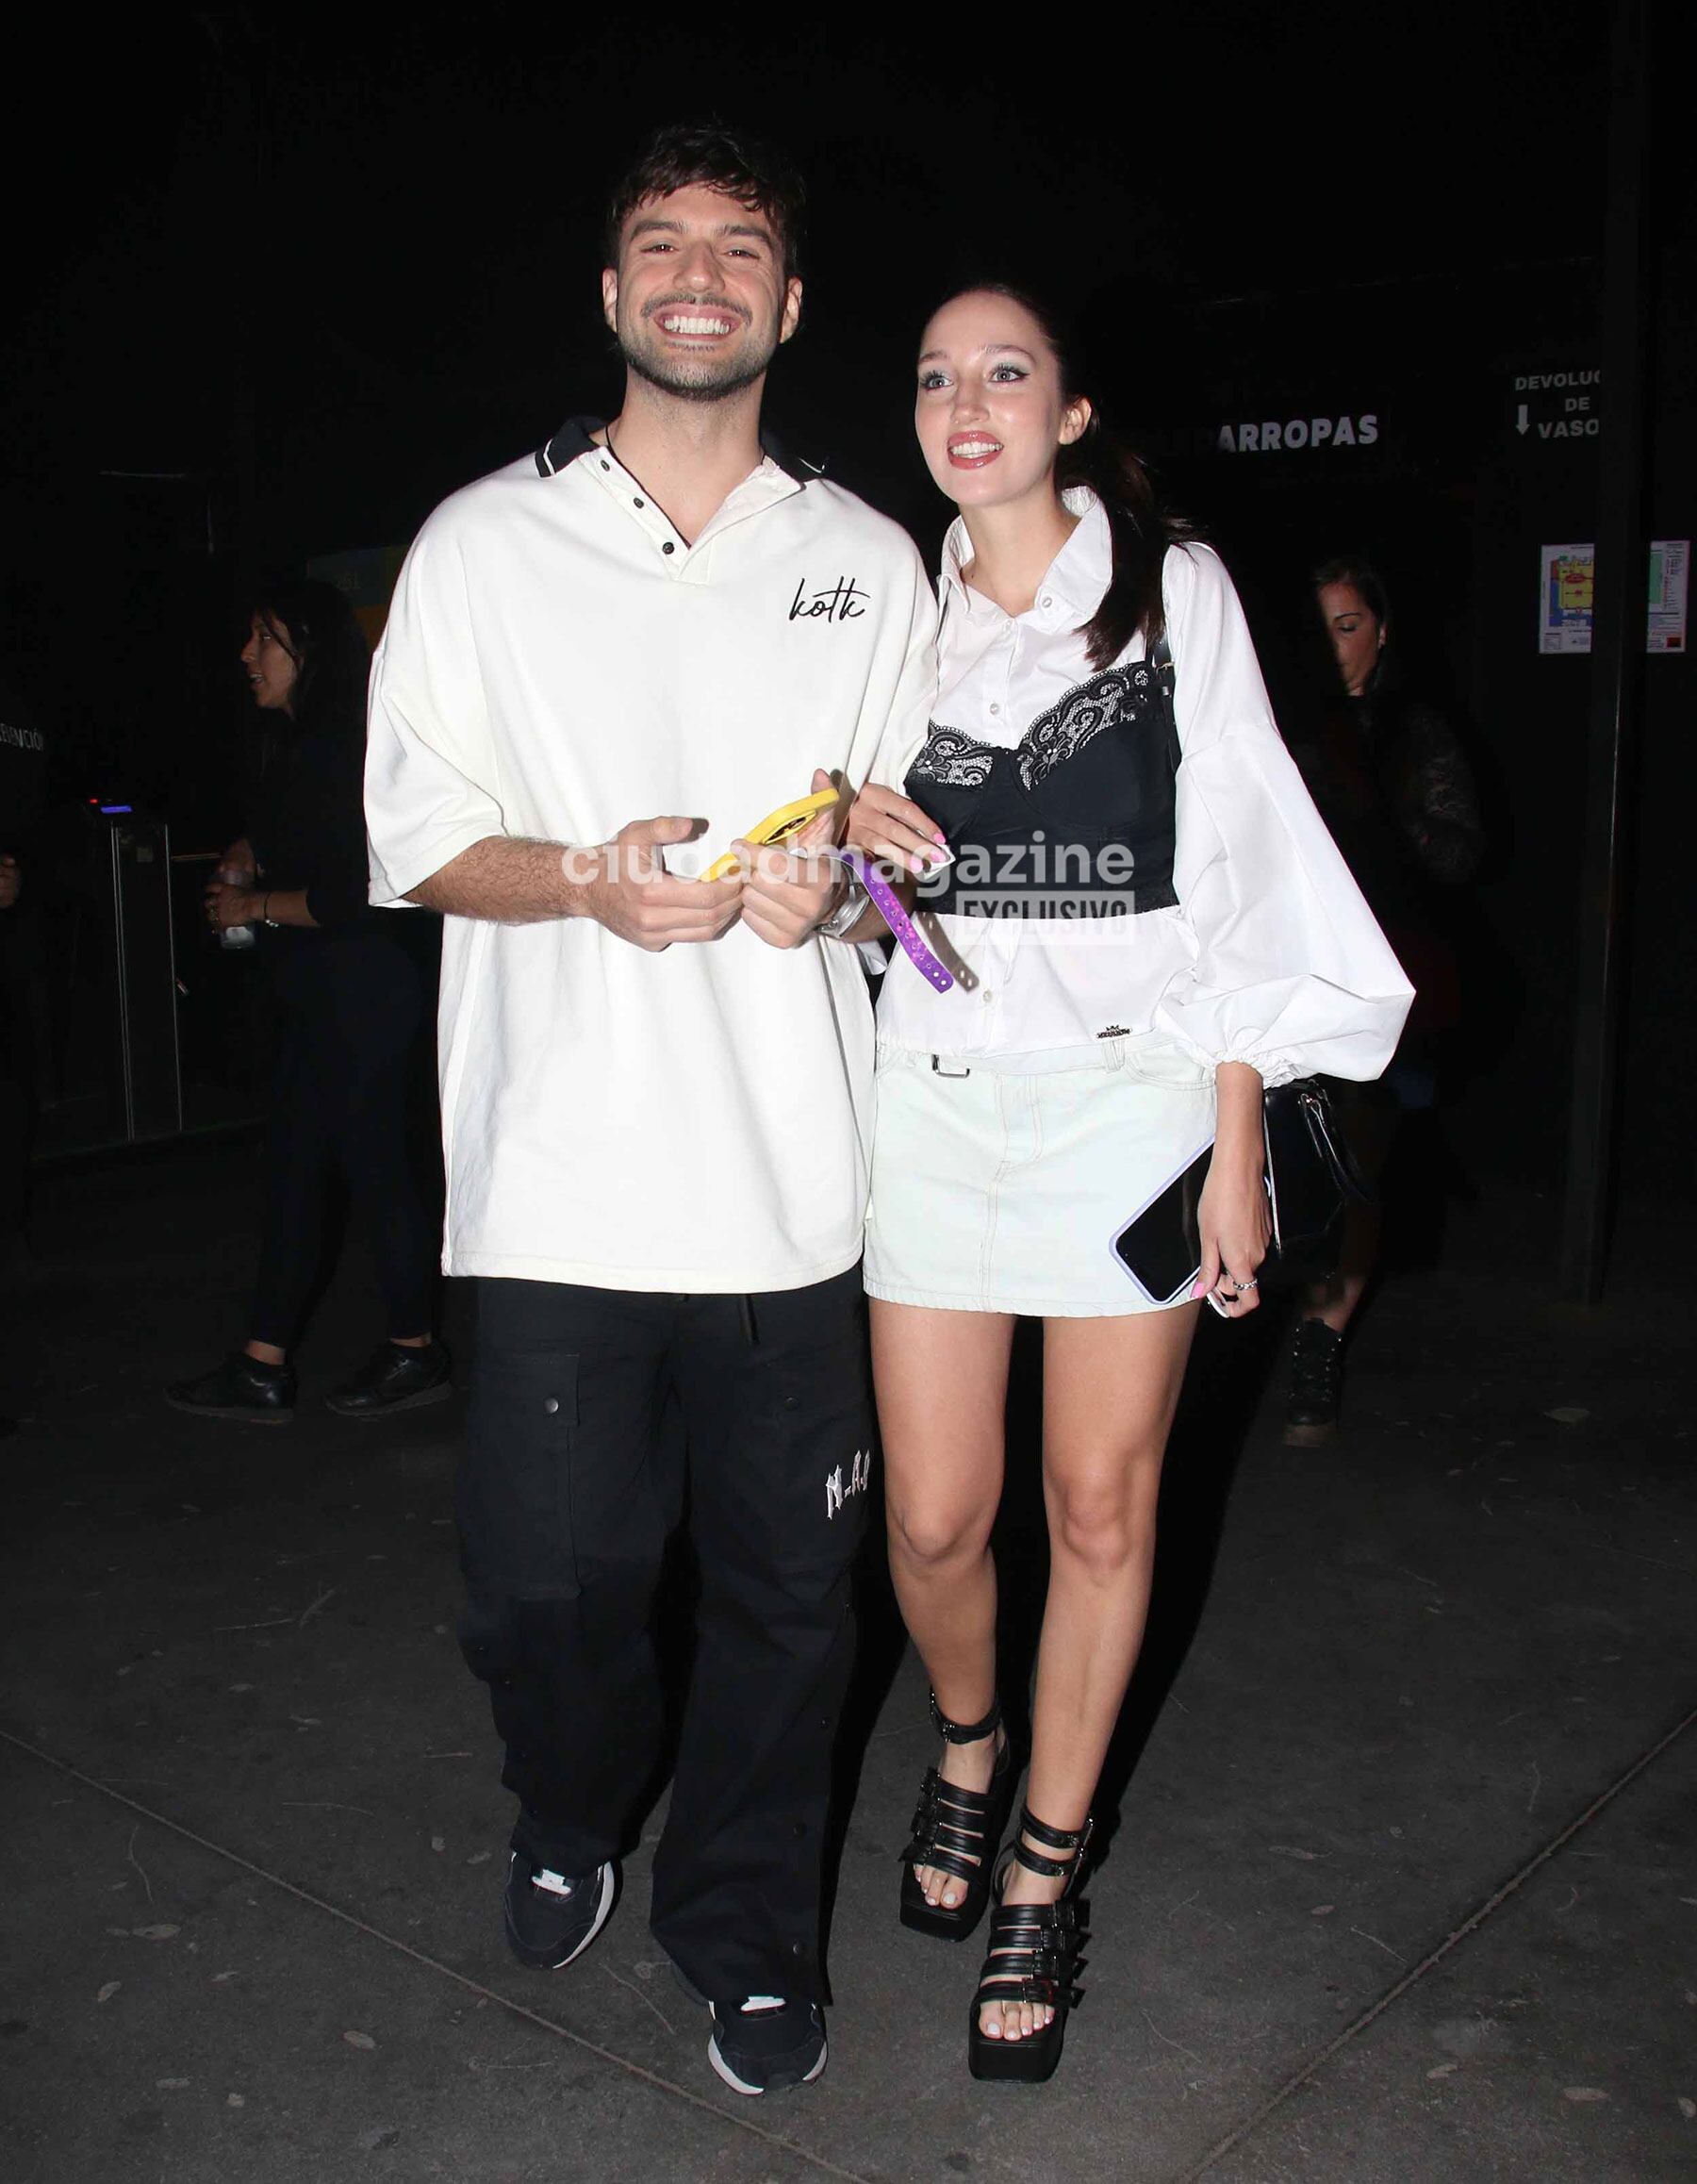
(333, 662)
(1356, 569)
(1138, 528)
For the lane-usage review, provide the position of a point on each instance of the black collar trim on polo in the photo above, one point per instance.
(574, 438)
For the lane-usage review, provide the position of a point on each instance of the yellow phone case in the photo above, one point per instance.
(777, 826)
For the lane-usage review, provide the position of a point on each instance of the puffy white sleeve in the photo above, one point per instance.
(431, 778)
(1290, 974)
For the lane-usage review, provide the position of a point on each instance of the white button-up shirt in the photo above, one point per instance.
(558, 662)
(1270, 957)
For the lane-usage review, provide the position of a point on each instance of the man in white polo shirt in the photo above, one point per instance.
(604, 663)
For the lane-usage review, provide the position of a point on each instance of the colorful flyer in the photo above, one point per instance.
(1668, 561)
(1564, 613)
(1568, 580)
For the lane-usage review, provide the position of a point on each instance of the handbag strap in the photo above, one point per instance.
(1160, 659)
(1331, 1143)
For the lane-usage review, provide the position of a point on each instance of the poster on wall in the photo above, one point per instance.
(1667, 559)
(1564, 611)
(1568, 578)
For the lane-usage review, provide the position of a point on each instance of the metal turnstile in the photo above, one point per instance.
(150, 1078)
(124, 1080)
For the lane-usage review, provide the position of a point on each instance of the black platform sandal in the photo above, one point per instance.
(953, 1829)
(1032, 1957)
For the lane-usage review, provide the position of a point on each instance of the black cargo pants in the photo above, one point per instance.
(587, 1405)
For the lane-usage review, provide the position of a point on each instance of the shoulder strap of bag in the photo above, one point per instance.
(1160, 659)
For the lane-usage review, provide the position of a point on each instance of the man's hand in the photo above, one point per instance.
(627, 889)
(787, 891)
(12, 880)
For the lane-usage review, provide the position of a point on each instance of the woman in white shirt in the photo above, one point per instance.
(1147, 924)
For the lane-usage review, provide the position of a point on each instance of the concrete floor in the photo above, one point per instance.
(1402, 1881)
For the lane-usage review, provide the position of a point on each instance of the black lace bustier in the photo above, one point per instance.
(1076, 819)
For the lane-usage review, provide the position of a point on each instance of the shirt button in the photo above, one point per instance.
(666, 547)
(995, 709)
(1048, 602)
(605, 464)
(637, 502)
(797, 1948)
(550, 1404)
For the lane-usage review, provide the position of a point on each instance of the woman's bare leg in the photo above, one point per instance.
(942, 1383)
(1110, 1388)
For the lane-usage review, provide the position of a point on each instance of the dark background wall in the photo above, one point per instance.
(278, 284)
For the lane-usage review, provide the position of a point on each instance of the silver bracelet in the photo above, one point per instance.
(846, 917)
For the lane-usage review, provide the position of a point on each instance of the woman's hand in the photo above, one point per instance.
(228, 905)
(239, 863)
(1232, 1216)
(894, 829)
(1236, 1230)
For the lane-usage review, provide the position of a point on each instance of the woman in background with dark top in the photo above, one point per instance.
(352, 990)
(1395, 787)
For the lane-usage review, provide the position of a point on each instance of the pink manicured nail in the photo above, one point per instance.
(1200, 1289)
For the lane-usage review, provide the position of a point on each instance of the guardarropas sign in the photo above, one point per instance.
(1290, 434)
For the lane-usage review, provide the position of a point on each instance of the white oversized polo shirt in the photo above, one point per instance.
(558, 662)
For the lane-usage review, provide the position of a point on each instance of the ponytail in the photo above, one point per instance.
(1139, 530)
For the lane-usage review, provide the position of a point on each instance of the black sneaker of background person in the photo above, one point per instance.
(552, 1917)
(763, 2044)
(241, 1388)
(1316, 1391)
(395, 1379)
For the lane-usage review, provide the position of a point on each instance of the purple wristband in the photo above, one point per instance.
(904, 930)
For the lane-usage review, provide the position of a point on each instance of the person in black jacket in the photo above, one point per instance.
(1393, 785)
(351, 987)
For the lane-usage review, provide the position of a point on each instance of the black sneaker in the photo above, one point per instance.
(241, 1388)
(764, 2044)
(394, 1378)
(552, 1917)
(1316, 1385)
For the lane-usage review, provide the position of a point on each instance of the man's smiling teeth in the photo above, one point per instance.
(677, 322)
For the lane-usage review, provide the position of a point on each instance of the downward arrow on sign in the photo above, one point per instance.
(1520, 419)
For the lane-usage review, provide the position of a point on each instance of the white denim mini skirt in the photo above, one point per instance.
(1002, 1187)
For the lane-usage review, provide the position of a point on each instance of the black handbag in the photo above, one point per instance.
(1311, 1178)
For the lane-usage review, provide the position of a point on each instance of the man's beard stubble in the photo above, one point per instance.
(741, 373)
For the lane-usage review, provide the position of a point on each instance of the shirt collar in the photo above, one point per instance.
(575, 438)
(1072, 585)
